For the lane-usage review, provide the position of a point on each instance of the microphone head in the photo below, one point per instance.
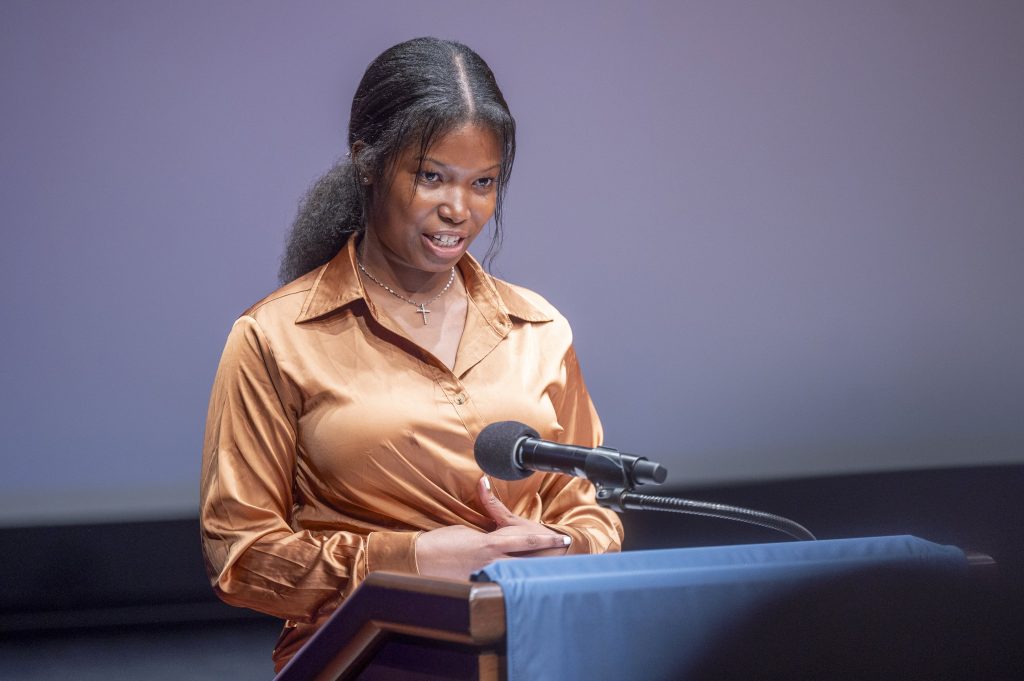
(495, 449)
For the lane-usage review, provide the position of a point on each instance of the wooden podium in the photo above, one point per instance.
(871, 607)
(403, 627)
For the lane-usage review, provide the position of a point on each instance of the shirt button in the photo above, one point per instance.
(461, 398)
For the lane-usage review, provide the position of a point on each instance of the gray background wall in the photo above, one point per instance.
(788, 235)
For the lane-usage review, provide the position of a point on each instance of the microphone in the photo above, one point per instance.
(509, 450)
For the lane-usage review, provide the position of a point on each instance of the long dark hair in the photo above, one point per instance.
(412, 94)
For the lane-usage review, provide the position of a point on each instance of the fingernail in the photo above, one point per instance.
(487, 483)
(566, 539)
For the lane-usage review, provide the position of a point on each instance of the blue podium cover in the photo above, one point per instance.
(652, 614)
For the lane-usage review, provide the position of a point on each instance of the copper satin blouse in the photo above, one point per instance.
(332, 440)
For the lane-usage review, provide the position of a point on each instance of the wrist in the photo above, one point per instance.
(392, 551)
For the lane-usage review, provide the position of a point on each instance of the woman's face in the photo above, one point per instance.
(435, 209)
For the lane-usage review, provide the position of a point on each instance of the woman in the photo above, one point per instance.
(341, 425)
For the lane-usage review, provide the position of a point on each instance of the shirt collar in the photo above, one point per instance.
(338, 284)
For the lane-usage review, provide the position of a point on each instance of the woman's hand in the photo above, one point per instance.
(459, 551)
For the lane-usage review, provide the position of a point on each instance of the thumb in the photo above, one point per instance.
(497, 511)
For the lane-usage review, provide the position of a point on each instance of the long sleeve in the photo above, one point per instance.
(569, 503)
(254, 557)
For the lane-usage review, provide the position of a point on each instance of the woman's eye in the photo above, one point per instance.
(485, 182)
(429, 176)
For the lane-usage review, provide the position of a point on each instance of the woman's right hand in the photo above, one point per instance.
(458, 551)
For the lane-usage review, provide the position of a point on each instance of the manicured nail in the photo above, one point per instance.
(487, 483)
(566, 539)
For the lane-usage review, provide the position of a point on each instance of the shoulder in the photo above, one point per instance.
(285, 301)
(526, 304)
(530, 310)
(271, 321)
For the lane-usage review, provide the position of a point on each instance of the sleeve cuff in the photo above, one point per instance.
(392, 551)
(580, 541)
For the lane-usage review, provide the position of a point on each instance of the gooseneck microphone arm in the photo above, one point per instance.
(619, 499)
(509, 450)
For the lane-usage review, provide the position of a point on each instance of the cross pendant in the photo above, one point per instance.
(422, 309)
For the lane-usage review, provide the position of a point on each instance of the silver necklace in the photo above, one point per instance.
(420, 307)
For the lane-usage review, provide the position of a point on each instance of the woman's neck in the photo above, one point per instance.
(414, 283)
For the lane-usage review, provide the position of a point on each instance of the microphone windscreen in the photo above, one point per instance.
(495, 449)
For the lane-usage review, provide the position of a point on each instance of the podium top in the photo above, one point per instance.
(656, 614)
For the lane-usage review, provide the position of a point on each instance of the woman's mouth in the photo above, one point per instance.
(445, 240)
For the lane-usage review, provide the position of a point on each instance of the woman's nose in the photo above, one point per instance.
(454, 208)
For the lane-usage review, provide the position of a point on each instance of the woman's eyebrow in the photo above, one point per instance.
(446, 166)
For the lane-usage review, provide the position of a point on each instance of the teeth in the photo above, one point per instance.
(445, 239)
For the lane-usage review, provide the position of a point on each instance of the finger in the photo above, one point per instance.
(528, 543)
(497, 511)
(543, 553)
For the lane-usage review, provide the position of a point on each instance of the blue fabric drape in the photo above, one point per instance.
(653, 614)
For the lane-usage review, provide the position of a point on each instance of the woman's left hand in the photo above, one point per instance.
(511, 524)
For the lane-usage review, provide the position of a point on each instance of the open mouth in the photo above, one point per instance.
(445, 240)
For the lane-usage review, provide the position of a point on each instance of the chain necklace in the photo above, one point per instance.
(421, 308)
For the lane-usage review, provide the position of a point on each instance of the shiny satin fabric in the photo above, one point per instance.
(332, 440)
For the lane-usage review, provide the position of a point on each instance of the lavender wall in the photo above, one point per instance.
(789, 237)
